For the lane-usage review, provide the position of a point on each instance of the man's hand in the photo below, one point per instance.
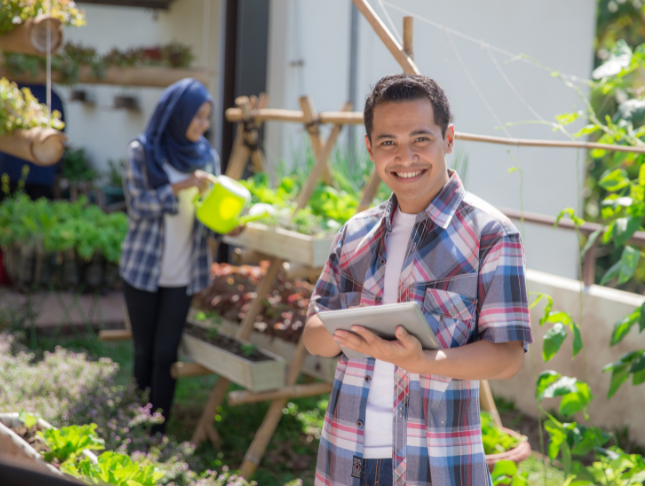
(405, 351)
(237, 231)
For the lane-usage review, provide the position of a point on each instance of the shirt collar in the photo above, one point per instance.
(441, 209)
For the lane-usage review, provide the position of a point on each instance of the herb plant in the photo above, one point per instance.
(19, 109)
(16, 12)
(67, 442)
(495, 440)
(113, 468)
(248, 349)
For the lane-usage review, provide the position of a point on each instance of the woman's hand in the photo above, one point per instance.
(237, 231)
(199, 179)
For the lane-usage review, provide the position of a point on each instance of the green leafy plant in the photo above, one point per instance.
(248, 349)
(506, 473)
(28, 419)
(68, 442)
(494, 439)
(19, 109)
(115, 174)
(113, 468)
(16, 12)
(77, 167)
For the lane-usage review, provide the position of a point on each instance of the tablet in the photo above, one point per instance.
(382, 320)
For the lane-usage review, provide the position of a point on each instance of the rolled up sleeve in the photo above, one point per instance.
(503, 302)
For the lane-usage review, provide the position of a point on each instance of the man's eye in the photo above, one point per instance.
(388, 143)
(423, 139)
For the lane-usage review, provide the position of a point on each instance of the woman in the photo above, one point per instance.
(165, 257)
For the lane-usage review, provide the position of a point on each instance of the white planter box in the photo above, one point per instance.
(254, 376)
(17, 449)
(315, 366)
(288, 245)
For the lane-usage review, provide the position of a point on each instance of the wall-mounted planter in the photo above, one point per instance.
(290, 246)
(260, 371)
(126, 102)
(16, 449)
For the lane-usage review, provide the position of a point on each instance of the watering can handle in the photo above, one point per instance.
(197, 199)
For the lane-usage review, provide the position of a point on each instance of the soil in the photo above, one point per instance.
(29, 435)
(226, 343)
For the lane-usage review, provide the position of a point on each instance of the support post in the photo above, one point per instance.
(589, 264)
(408, 36)
(312, 124)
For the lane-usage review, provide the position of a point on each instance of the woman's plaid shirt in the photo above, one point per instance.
(143, 246)
(464, 265)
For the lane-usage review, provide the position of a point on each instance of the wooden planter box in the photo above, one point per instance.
(254, 376)
(290, 246)
(16, 449)
(517, 455)
(315, 366)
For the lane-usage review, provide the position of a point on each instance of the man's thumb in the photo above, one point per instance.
(402, 334)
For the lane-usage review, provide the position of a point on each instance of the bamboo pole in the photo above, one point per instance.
(321, 162)
(487, 402)
(369, 191)
(296, 391)
(312, 125)
(31, 37)
(115, 335)
(408, 36)
(241, 152)
(205, 427)
(150, 76)
(41, 146)
(386, 37)
(263, 436)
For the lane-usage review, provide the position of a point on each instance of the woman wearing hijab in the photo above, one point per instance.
(165, 258)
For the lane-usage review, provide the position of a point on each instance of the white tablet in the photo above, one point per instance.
(382, 320)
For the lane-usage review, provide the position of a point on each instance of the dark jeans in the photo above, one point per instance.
(157, 320)
(377, 472)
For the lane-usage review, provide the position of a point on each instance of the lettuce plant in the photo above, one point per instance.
(67, 442)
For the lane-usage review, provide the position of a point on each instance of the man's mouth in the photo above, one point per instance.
(409, 175)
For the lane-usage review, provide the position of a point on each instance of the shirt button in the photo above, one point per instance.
(382, 261)
(378, 299)
(359, 423)
(368, 378)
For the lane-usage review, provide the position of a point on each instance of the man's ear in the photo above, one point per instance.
(449, 139)
(368, 145)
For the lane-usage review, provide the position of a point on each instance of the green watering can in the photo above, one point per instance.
(221, 206)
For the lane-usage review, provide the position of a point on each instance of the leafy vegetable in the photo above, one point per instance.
(67, 442)
(113, 468)
(496, 440)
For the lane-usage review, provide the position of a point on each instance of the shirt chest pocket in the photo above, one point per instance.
(451, 315)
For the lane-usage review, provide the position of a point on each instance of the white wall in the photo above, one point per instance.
(102, 130)
(558, 34)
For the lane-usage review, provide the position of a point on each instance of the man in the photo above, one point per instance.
(405, 415)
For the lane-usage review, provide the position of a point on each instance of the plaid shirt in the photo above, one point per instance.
(464, 265)
(143, 246)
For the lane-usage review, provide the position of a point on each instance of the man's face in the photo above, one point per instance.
(408, 151)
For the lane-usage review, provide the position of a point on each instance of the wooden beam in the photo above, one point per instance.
(31, 37)
(41, 146)
(369, 191)
(295, 270)
(115, 335)
(386, 37)
(244, 256)
(408, 36)
(150, 76)
(294, 391)
(321, 163)
(312, 125)
(183, 370)
(241, 152)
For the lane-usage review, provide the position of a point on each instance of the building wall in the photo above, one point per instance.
(103, 131)
(558, 34)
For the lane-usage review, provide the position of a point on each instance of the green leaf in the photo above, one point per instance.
(615, 180)
(590, 241)
(572, 214)
(504, 468)
(557, 436)
(613, 272)
(638, 377)
(641, 319)
(553, 339)
(619, 59)
(575, 402)
(592, 437)
(577, 339)
(618, 376)
(27, 419)
(641, 175)
(609, 232)
(67, 442)
(628, 263)
(567, 118)
(625, 228)
(561, 387)
(586, 130)
(622, 327)
(545, 379)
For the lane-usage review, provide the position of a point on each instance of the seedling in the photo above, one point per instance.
(248, 349)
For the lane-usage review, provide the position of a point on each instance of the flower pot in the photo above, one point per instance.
(113, 194)
(110, 275)
(16, 449)
(43, 267)
(25, 266)
(93, 272)
(71, 277)
(517, 454)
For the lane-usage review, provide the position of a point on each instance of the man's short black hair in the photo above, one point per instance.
(408, 87)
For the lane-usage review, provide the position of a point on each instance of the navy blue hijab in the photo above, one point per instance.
(165, 138)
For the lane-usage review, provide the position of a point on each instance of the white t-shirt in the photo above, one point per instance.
(377, 442)
(178, 235)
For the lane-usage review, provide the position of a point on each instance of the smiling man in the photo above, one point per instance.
(408, 416)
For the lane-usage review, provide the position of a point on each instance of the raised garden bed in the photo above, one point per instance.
(311, 251)
(239, 361)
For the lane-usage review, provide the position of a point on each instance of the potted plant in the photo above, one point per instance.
(502, 444)
(77, 173)
(113, 190)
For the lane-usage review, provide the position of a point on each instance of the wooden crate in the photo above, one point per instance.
(258, 376)
(290, 246)
(315, 366)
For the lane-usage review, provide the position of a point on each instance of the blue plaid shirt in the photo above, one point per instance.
(143, 246)
(464, 266)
